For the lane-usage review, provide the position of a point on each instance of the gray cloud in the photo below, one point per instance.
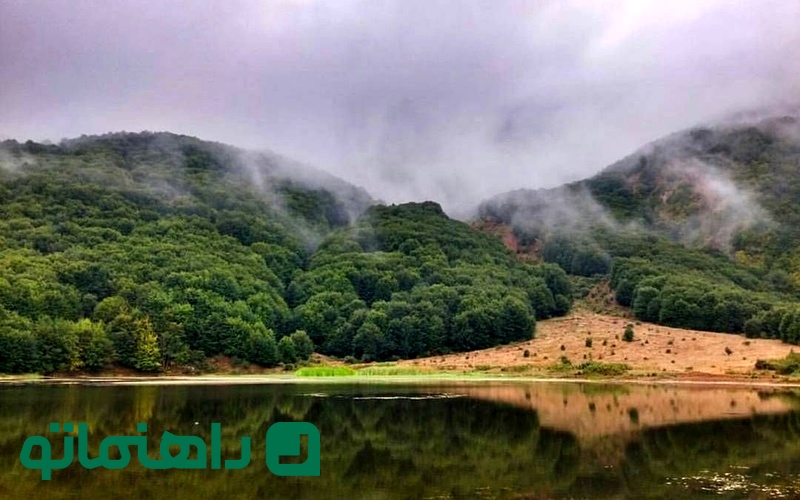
(412, 99)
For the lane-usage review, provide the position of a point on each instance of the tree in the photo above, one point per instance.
(147, 357)
(18, 347)
(135, 342)
(368, 342)
(287, 351)
(646, 303)
(57, 345)
(515, 321)
(263, 349)
(303, 344)
(96, 350)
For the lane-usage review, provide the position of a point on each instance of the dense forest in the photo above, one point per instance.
(154, 251)
(699, 230)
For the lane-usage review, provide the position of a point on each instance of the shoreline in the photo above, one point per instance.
(698, 380)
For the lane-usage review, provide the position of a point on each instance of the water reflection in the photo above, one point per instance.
(436, 441)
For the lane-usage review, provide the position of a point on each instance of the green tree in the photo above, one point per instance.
(96, 350)
(303, 344)
(263, 349)
(147, 354)
(57, 345)
(287, 350)
(646, 303)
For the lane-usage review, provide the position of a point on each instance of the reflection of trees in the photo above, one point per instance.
(448, 446)
(370, 447)
(373, 447)
(685, 450)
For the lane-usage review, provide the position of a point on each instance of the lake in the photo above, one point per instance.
(438, 439)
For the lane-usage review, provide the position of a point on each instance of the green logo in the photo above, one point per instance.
(282, 439)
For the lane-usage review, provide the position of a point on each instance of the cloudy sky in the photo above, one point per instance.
(413, 99)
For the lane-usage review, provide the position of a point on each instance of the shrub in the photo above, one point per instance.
(627, 336)
(563, 365)
(588, 342)
(790, 365)
(526, 354)
(606, 369)
(728, 351)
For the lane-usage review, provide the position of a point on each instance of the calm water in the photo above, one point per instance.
(456, 440)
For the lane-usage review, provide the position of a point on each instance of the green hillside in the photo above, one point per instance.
(155, 251)
(699, 230)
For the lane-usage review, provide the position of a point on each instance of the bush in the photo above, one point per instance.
(563, 365)
(588, 342)
(627, 336)
(790, 365)
(526, 354)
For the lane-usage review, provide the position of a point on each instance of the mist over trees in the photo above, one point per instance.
(154, 251)
(699, 230)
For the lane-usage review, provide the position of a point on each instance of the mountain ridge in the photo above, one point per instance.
(701, 215)
(156, 252)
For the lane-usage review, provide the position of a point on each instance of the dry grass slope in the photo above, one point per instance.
(655, 349)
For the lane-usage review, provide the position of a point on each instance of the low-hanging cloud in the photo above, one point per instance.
(411, 99)
(722, 208)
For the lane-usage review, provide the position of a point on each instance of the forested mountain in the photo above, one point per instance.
(156, 251)
(406, 281)
(153, 251)
(700, 229)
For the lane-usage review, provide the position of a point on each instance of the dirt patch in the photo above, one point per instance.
(655, 350)
(509, 239)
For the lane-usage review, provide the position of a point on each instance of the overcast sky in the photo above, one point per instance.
(447, 100)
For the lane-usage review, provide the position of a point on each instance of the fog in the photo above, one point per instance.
(410, 99)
